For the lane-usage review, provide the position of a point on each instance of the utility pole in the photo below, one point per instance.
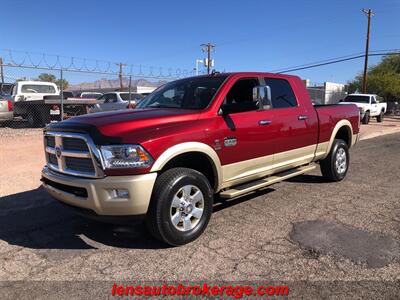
(369, 14)
(1, 71)
(121, 85)
(208, 48)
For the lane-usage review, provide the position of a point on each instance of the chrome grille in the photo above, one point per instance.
(53, 159)
(74, 144)
(73, 154)
(50, 141)
(79, 164)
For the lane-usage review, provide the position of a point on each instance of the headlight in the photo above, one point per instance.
(125, 156)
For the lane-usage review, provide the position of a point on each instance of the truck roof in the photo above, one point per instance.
(35, 82)
(250, 74)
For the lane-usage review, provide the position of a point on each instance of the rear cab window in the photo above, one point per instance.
(281, 93)
(38, 89)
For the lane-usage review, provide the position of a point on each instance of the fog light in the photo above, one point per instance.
(119, 193)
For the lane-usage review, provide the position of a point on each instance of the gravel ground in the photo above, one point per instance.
(248, 239)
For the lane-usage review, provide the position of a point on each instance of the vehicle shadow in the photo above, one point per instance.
(18, 124)
(305, 178)
(33, 219)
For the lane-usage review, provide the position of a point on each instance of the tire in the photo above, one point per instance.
(366, 118)
(33, 119)
(379, 118)
(171, 218)
(335, 166)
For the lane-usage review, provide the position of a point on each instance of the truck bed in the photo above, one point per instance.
(330, 115)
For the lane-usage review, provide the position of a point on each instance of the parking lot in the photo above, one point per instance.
(249, 238)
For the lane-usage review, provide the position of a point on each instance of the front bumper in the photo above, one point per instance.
(97, 194)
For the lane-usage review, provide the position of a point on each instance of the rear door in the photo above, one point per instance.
(297, 123)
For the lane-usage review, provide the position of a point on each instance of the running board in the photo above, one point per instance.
(261, 183)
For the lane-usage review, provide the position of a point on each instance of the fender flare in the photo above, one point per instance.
(187, 147)
(339, 125)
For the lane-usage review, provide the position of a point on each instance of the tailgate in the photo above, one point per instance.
(4, 106)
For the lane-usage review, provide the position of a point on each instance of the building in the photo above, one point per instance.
(326, 93)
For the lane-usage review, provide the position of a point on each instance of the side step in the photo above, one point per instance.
(261, 183)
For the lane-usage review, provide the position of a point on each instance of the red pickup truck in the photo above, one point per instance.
(191, 140)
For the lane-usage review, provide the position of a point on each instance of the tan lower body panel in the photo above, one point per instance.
(101, 198)
(258, 184)
(237, 173)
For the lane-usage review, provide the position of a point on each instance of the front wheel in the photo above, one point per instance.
(180, 207)
(366, 118)
(380, 117)
(334, 167)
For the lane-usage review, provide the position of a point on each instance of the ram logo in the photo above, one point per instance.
(58, 152)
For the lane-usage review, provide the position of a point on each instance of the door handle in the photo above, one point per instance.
(302, 117)
(264, 122)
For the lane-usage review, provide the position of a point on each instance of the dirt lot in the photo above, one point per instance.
(248, 239)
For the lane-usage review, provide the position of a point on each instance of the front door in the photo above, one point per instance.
(245, 135)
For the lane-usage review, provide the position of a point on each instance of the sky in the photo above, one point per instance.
(249, 35)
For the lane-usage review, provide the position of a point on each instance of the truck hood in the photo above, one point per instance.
(131, 125)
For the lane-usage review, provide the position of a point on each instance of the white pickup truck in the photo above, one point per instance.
(370, 105)
(39, 102)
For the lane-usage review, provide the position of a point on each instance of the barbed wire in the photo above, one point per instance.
(44, 61)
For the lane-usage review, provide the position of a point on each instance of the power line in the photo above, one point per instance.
(334, 59)
(337, 61)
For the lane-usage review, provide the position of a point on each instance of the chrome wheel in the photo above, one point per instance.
(187, 208)
(341, 161)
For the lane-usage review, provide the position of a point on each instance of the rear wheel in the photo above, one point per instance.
(34, 119)
(180, 207)
(334, 167)
(380, 117)
(366, 118)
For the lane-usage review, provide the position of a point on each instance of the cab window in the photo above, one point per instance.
(282, 95)
(240, 96)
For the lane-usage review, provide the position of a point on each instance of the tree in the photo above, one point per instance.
(51, 78)
(383, 79)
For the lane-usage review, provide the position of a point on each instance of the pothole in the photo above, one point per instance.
(325, 237)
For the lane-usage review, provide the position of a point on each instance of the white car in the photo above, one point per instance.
(115, 101)
(369, 104)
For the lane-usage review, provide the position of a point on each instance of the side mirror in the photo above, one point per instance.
(262, 95)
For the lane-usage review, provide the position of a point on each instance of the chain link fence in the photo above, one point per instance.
(36, 96)
(37, 88)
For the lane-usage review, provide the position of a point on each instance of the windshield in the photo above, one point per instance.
(38, 89)
(134, 96)
(357, 99)
(190, 93)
